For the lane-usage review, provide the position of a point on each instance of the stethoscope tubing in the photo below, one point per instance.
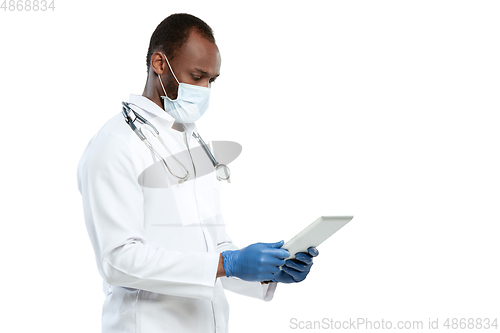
(131, 116)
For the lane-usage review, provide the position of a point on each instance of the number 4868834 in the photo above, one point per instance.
(27, 5)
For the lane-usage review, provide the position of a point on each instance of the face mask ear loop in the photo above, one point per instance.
(162, 85)
(171, 71)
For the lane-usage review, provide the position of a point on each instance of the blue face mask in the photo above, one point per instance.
(190, 104)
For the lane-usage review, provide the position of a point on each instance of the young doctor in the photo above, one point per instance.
(155, 222)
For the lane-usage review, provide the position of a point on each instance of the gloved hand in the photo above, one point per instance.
(296, 270)
(256, 262)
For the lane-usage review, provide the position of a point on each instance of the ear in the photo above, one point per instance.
(158, 63)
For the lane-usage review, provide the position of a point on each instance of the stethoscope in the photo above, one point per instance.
(221, 170)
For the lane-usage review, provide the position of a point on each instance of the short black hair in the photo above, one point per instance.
(173, 32)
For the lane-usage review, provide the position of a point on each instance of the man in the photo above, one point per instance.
(156, 228)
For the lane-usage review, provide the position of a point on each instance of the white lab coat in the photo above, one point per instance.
(156, 242)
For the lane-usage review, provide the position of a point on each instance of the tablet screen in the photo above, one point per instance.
(315, 234)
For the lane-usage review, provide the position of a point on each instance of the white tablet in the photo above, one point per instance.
(315, 234)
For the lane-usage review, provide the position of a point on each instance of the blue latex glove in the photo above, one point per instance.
(256, 262)
(296, 270)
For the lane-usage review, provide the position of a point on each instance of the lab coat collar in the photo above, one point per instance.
(150, 106)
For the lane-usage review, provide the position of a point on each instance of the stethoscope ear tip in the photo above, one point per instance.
(180, 181)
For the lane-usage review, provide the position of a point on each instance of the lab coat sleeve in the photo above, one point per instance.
(113, 209)
(257, 290)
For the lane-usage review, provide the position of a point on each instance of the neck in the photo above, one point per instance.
(151, 92)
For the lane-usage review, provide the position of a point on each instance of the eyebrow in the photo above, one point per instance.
(204, 72)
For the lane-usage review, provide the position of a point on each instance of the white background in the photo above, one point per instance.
(385, 110)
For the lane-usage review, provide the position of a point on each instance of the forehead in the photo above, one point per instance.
(200, 53)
